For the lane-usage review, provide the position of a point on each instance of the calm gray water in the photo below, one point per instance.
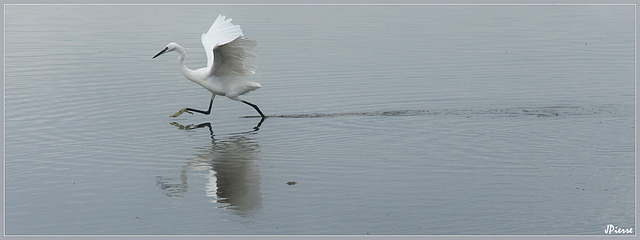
(384, 120)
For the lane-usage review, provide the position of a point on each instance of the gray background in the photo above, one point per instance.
(383, 121)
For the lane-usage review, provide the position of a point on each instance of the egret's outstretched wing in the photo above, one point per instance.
(220, 33)
(237, 57)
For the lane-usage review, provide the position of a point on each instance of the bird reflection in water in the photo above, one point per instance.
(232, 172)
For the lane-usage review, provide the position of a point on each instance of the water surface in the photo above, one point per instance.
(419, 120)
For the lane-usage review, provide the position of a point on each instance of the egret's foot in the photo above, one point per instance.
(181, 112)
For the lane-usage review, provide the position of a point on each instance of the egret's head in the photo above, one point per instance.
(170, 47)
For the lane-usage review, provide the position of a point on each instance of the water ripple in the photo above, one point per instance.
(551, 111)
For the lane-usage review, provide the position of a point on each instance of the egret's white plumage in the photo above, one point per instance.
(231, 59)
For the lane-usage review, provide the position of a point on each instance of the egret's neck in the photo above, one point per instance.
(185, 70)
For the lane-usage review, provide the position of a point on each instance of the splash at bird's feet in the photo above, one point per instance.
(181, 112)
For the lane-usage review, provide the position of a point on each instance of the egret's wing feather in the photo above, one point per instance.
(236, 57)
(220, 33)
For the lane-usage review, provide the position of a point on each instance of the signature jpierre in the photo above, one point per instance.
(611, 229)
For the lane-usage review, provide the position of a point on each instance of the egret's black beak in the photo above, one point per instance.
(161, 52)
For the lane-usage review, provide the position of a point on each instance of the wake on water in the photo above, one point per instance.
(552, 111)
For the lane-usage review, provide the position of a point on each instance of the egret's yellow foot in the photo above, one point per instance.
(181, 112)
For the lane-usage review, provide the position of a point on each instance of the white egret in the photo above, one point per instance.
(231, 59)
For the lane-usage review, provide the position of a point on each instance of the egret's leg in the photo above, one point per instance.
(188, 110)
(257, 127)
(203, 112)
(255, 107)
